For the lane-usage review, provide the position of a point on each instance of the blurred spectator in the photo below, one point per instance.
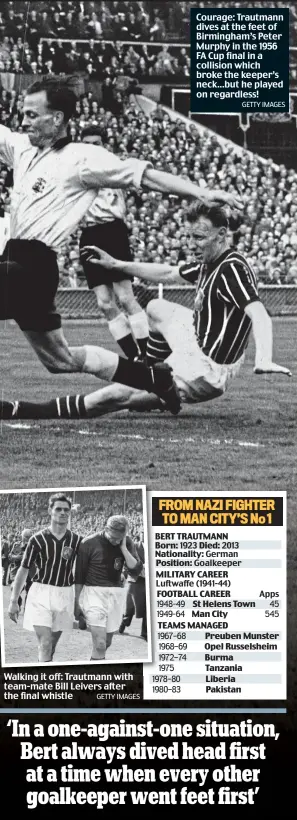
(5, 550)
(94, 28)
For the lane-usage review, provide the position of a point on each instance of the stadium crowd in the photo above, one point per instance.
(138, 20)
(120, 37)
(88, 514)
(158, 229)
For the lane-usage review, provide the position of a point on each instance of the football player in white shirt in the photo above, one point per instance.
(55, 183)
(205, 346)
(105, 226)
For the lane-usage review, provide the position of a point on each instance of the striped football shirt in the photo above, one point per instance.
(54, 557)
(55, 187)
(223, 290)
(100, 563)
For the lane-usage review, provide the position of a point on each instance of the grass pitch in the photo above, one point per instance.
(245, 439)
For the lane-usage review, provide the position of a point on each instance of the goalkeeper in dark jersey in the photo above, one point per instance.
(99, 593)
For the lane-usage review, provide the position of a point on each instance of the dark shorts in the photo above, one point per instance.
(29, 278)
(113, 238)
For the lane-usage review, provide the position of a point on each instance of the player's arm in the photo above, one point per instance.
(77, 608)
(99, 168)
(238, 285)
(19, 583)
(262, 331)
(28, 560)
(149, 271)
(81, 569)
(157, 180)
(133, 565)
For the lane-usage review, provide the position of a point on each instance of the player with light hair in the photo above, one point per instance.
(99, 593)
(205, 347)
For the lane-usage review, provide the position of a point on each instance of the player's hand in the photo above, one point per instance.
(77, 610)
(271, 367)
(98, 257)
(13, 611)
(123, 544)
(218, 197)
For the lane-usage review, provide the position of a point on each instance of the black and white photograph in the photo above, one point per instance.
(148, 315)
(74, 577)
(148, 276)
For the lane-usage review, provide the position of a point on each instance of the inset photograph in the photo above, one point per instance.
(75, 585)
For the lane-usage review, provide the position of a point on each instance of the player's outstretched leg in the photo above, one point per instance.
(54, 352)
(108, 399)
(65, 407)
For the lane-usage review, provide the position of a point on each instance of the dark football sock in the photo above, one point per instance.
(8, 410)
(142, 344)
(157, 349)
(120, 329)
(138, 375)
(71, 407)
(66, 407)
(128, 346)
(139, 326)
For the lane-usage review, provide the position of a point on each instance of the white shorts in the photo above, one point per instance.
(197, 376)
(51, 606)
(103, 606)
